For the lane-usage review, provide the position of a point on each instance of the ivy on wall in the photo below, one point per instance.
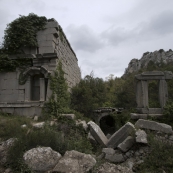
(22, 32)
(59, 101)
(10, 65)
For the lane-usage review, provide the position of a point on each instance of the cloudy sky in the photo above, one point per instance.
(105, 34)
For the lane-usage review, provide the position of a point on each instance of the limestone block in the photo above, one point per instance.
(11, 84)
(52, 25)
(109, 151)
(116, 158)
(46, 49)
(68, 116)
(41, 159)
(91, 139)
(8, 110)
(126, 144)
(46, 44)
(97, 133)
(141, 136)
(75, 162)
(41, 37)
(51, 37)
(3, 84)
(152, 125)
(120, 135)
(135, 116)
(38, 125)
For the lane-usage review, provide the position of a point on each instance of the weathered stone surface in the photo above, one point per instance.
(38, 125)
(141, 136)
(69, 116)
(126, 144)
(75, 162)
(152, 125)
(91, 139)
(109, 151)
(120, 135)
(4, 146)
(83, 123)
(115, 158)
(135, 116)
(112, 168)
(97, 133)
(41, 159)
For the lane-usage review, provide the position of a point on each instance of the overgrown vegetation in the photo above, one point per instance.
(59, 102)
(160, 159)
(60, 137)
(21, 33)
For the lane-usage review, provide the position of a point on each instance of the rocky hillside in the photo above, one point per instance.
(157, 57)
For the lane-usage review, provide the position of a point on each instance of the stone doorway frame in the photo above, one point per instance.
(142, 90)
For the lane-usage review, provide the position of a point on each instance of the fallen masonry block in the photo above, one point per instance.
(97, 133)
(109, 151)
(153, 125)
(141, 136)
(126, 144)
(115, 158)
(120, 135)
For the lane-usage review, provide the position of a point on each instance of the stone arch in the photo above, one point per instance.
(36, 83)
(107, 124)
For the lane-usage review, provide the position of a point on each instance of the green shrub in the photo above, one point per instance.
(10, 126)
(168, 113)
(160, 159)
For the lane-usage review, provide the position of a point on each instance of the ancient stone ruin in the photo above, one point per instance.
(142, 93)
(24, 92)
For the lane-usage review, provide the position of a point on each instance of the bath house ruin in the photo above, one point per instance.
(24, 92)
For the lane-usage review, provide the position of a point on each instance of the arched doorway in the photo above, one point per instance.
(107, 124)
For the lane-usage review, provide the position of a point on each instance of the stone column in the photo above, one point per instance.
(42, 89)
(163, 93)
(144, 94)
(28, 89)
(49, 91)
(139, 94)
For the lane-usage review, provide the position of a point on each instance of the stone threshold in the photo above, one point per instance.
(136, 116)
(21, 104)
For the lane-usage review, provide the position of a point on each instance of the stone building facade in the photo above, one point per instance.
(24, 92)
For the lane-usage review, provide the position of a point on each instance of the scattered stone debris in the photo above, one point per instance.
(75, 162)
(41, 159)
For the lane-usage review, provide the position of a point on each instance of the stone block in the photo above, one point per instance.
(155, 111)
(109, 151)
(52, 25)
(21, 95)
(135, 116)
(11, 84)
(126, 144)
(152, 125)
(41, 37)
(75, 162)
(116, 158)
(68, 116)
(120, 135)
(46, 44)
(51, 37)
(141, 137)
(97, 133)
(46, 49)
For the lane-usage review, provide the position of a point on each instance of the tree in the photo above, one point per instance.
(59, 102)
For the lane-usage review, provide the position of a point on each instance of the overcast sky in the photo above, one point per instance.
(105, 34)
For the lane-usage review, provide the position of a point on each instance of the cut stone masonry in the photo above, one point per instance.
(27, 97)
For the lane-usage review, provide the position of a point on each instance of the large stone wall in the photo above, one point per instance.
(53, 40)
(28, 98)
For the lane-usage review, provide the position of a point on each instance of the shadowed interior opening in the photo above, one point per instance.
(107, 124)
